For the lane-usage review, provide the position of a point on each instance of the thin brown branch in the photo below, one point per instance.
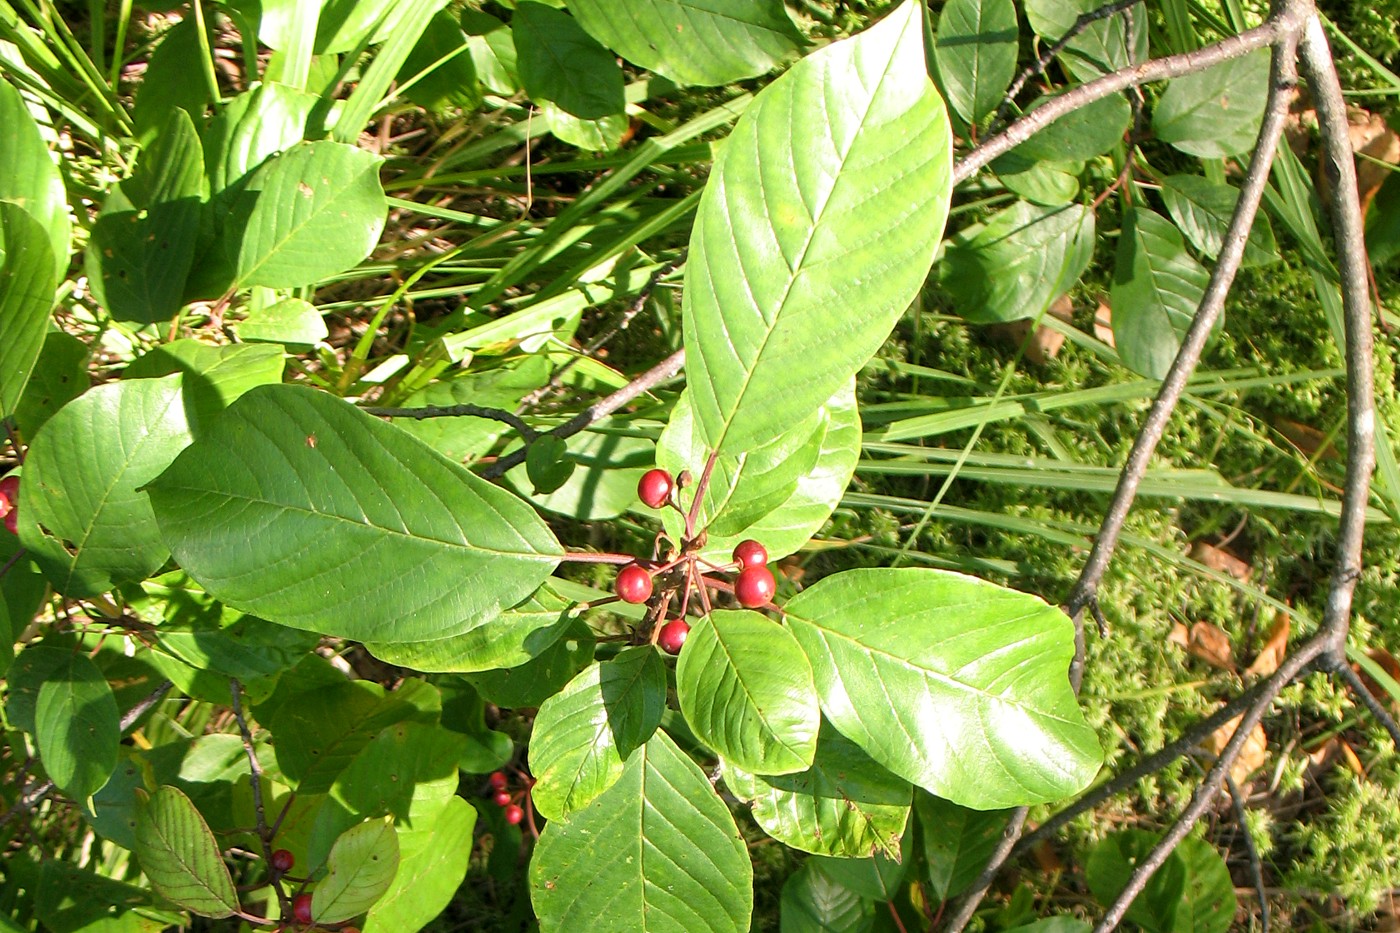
(1358, 688)
(459, 411)
(1256, 867)
(600, 409)
(967, 906)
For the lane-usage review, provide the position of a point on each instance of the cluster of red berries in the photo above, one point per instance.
(282, 862)
(754, 586)
(9, 503)
(504, 798)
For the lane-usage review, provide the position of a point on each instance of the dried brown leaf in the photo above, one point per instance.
(1307, 439)
(1103, 323)
(1274, 651)
(1221, 560)
(1042, 343)
(1252, 756)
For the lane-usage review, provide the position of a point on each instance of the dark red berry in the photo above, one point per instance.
(9, 503)
(655, 488)
(502, 798)
(672, 636)
(498, 780)
(749, 553)
(301, 908)
(514, 814)
(755, 587)
(633, 584)
(282, 861)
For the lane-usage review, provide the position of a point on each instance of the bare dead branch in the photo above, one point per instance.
(459, 411)
(1256, 867)
(1377, 710)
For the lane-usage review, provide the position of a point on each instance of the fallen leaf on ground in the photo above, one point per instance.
(1274, 651)
(1221, 560)
(1205, 641)
(1044, 343)
(1388, 664)
(1103, 323)
(1307, 439)
(1252, 755)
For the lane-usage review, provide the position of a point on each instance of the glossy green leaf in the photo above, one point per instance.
(26, 294)
(954, 684)
(710, 43)
(656, 851)
(466, 438)
(30, 179)
(547, 464)
(600, 135)
(172, 81)
(256, 124)
(1157, 287)
(877, 878)
(449, 83)
(22, 592)
(1101, 47)
(32, 667)
(814, 903)
(292, 499)
(321, 731)
(433, 857)
(77, 728)
(958, 842)
(60, 375)
(1081, 134)
(359, 870)
(845, 805)
(507, 640)
(69, 899)
(143, 243)
(213, 375)
(975, 49)
(82, 517)
(492, 48)
(1191, 893)
(291, 320)
(1202, 209)
(307, 213)
(1017, 263)
(1052, 184)
(560, 62)
(816, 230)
(746, 689)
(1216, 112)
(180, 857)
(584, 733)
(544, 675)
(779, 493)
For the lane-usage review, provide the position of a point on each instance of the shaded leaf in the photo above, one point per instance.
(179, 856)
(1202, 208)
(213, 375)
(27, 286)
(1103, 46)
(59, 376)
(975, 49)
(544, 675)
(77, 728)
(559, 62)
(360, 869)
(1191, 892)
(813, 903)
(1157, 287)
(29, 178)
(1216, 112)
(958, 842)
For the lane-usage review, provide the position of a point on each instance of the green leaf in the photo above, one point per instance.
(1216, 112)
(584, 734)
(26, 294)
(1202, 209)
(492, 49)
(746, 689)
(845, 805)
(59, 376)
(1191, 893)
(1157, 287)
(22, 592)
(779, 493)
(433, 857)
(450, 83)
(877, 878)
(975, 50)
(547, 464)
(32, 668)
(313, 210)
(507, 640)
(544, 675)
(1019, 262)
(30, 179)
(143, 243)
(322, 730)
(1081, 134)
(814, 903)
(291, 320)
(180, 857)
(466, 438)
(953, 683)
(254, 125)
(1053, 184)
(708, 44)
(656, 851)
(1054, 925)
(359, 870)
(1383, 223)
(815, 232)
(82, 517)
(292, 499)
(1102, 47)
(172, 81)
(560, 62)
(958, 842)
(601, 135)
(77, 728)
(213, 375)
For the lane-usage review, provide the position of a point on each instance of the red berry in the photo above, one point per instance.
(9, 503)
(633, 584)
(755, 587)
(502, 798)
(514, 814)
(282, 861)
(498, 780)
(672, 636)
(655, 488)
(749, 553)
(301, 908)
